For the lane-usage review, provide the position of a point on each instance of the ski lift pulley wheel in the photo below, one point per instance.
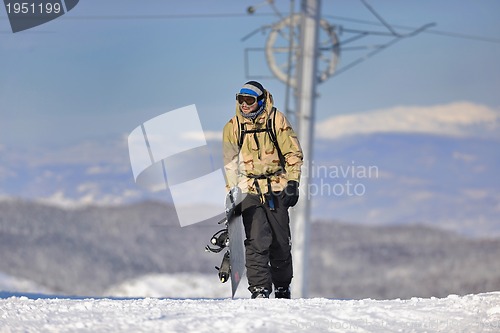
(277, 49)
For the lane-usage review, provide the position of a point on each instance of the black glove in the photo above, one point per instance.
(291, 193)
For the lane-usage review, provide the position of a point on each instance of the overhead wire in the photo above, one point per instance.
(235, 15)
(429, 31)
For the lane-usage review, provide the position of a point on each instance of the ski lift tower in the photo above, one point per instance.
(306, 96)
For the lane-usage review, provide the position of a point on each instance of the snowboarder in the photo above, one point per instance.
(263, 158)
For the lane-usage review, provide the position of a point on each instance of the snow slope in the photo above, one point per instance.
(472, 313)
(180, 285)
(11, 283)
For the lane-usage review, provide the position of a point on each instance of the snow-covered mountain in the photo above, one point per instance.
(445, 182)
(176, 285)
(434, 165)
(97, 251)
(16, 284)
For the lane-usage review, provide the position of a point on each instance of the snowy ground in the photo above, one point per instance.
(472, 313)
(198, 303)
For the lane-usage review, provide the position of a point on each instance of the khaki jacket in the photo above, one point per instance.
(258, 155)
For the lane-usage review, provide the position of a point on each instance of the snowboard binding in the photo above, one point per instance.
(224, 269)
(220, 239)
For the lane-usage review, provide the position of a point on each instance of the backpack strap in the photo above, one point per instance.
(241, 133)
(271, 127)
(271, 131)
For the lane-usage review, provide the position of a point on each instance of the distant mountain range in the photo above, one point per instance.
(445, 182)
(449, 182)
(88, 251)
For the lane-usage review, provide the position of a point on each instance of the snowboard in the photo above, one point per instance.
(232, 238)
(236, 251)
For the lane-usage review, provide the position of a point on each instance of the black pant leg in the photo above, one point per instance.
(258, 240)
(280, 255)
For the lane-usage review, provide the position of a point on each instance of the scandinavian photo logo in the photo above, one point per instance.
(342, 180)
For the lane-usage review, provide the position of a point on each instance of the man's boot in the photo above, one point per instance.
(260, 292)
(282, 292)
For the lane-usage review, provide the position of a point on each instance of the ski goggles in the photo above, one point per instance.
(248, 99)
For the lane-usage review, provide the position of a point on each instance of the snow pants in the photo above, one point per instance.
(268, 243)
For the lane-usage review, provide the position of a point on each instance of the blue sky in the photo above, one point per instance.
(73, 89)
(107, 66)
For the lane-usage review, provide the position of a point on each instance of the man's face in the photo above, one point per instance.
(248, 109)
